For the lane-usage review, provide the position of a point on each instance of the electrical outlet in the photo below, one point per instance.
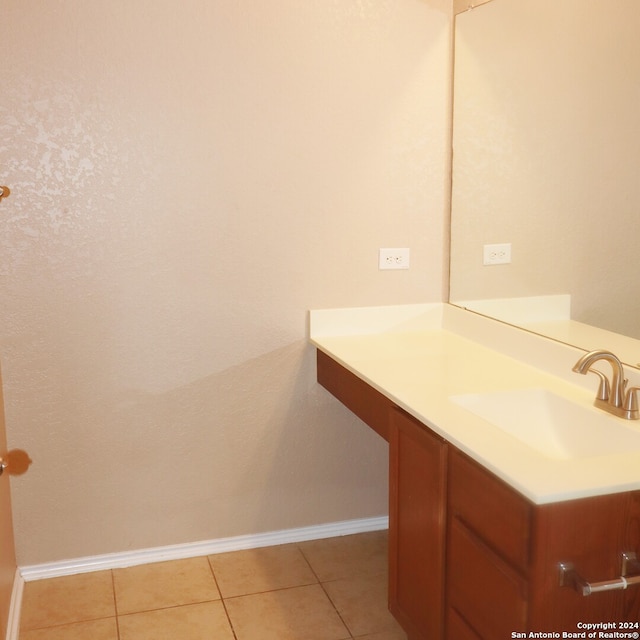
(393, 259)
(496, 253)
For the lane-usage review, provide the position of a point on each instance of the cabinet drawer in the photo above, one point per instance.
(482, 588)
(491, 509)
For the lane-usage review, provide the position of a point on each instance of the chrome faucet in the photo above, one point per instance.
(613, 397)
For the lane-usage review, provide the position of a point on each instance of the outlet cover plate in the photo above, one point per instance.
(496, 253)
(393, 258)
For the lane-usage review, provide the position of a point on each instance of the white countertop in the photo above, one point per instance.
(551, 316)
(420, 355)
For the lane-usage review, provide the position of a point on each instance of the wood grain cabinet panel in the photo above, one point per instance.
(458, 628)
(489, 507)
(483, 588)
(417, 513)
(488, 551)
(590, 534)
(371, 406)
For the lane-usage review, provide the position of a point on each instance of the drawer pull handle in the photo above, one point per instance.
(569, 577)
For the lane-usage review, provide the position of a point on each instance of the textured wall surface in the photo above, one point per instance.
(188, 179)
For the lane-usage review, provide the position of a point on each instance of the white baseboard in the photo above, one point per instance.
(194, 549)
(13, 623)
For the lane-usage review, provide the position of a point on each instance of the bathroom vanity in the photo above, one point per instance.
(481, 525)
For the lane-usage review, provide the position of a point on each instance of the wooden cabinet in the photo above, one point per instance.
(592, 534)
(488, 548)
(503, 555)
(472, 559)
(366, 402)
(417, 513)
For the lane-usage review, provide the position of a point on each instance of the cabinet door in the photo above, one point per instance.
(417, 493)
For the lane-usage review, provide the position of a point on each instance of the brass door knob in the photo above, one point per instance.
(15, 462)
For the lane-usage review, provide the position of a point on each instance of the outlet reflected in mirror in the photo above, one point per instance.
(546, 151)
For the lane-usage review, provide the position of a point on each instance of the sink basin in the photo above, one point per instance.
(552, 425)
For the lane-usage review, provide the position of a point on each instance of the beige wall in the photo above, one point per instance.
(546, 153)
(188, 179)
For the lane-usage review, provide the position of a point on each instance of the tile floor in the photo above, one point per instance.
(332, 589)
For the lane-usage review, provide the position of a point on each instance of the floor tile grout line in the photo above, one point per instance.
(169, 606)
(224, 604)
(260, 593)
(115, 602)
(70, 622)
(304, 555)
(325, 592)
(263, 591)
(335, 608)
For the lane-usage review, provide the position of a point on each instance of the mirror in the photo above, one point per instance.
(546, 158)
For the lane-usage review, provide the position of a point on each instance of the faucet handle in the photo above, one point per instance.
(631, 400)
(603, 387)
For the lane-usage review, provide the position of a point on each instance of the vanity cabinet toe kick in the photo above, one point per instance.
(470, 558)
